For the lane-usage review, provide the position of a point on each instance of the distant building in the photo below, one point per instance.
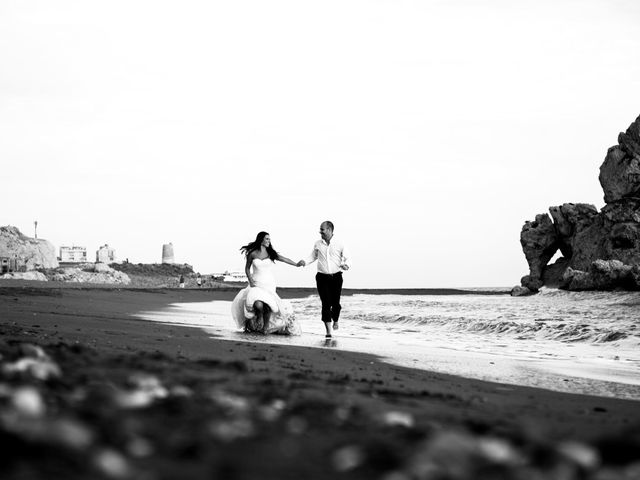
(73, 254)
(235, 277)
(11, 264)
(105, 254)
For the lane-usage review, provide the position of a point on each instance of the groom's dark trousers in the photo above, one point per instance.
(329, 288)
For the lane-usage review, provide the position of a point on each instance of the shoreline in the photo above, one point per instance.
(587, 376)
(285, 292)
(315, 412)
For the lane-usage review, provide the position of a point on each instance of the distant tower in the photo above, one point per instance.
(167, 253)
(35, 229)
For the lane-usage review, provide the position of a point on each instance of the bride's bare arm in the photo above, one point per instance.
(287, 260)
(247, 269)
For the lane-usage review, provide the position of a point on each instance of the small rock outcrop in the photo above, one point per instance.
(600, 249)
(31, 275)
(603, 275)
(97, 273)
(29, 253)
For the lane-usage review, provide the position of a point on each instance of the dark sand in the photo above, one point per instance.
(143, 400)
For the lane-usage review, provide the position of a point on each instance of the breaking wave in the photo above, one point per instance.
(552, 315)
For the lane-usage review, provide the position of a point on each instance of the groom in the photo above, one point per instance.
(332, 258)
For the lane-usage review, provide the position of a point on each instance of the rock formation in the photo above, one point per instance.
(31, 275)
(30, 253)
(97, 273)
(600, 250)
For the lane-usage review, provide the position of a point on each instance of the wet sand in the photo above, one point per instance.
(140, 399)
(576, 371)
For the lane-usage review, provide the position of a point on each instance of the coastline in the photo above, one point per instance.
(315, 412)
(284, 292)
(575, 369)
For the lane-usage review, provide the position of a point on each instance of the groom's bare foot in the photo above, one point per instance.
(327, 327)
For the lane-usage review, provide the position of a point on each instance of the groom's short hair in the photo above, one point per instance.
(329, 224)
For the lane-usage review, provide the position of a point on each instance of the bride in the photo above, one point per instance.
(258, 308)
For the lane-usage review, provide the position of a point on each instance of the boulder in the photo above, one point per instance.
(90, 274)
(102, 268)
(519, 291)
(532, 283)
(30, 253)
(603, 275)
(576, 280)
(32, 275)
(620, 172)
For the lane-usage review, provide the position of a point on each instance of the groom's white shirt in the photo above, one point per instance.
(330, 256)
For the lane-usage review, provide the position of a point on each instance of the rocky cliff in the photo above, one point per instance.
(30, 253)
(600, 249)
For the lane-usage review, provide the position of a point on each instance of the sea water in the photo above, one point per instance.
(581, 342)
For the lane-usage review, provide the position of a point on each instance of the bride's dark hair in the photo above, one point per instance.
(256, 244)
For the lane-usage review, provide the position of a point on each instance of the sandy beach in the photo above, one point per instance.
(88, 390)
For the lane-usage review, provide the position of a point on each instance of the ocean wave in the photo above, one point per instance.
(535, 329)
(553, 315)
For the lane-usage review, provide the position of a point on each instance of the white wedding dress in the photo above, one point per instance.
(282, 319)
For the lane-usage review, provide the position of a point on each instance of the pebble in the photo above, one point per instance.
(234, 404)
(147, 389)
(272, 411)
(180, 391)
(395, 418)
(5, 390)
(149, 384)
(135, 399)
(347, 458)
(229, 430)
(296, 425)
(499, 451)
(33, 351)
(71, 433)
(446, 455)
(580, 454)
(139, 447)
(61, 432)
(112, 464)
(42, 369)
(343, 413)
(27, 401)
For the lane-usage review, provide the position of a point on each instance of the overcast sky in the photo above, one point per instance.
(427, 131)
